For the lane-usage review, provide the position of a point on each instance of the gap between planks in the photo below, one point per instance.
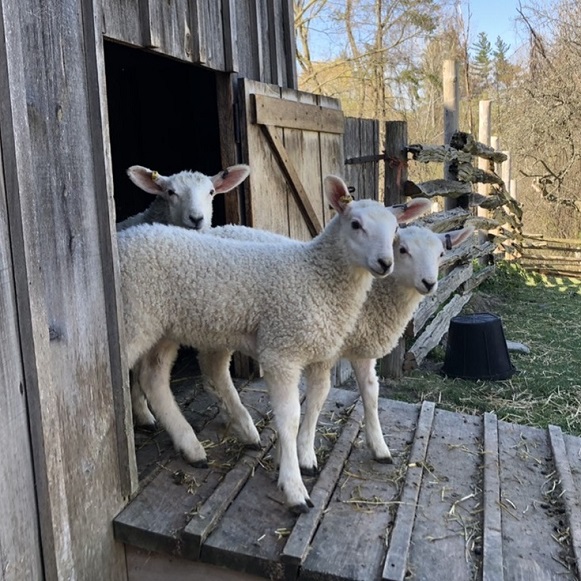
(399, 545)
(569, 494)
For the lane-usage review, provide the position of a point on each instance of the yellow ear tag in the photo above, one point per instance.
(154, 176)
(346, 199)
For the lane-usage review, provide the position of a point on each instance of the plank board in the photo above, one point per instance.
(449, 521)
(395, 567)
(20, 554)
(533, 511)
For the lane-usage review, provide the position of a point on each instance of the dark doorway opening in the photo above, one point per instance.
(163, 114)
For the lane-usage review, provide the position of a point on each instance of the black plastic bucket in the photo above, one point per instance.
(477, 348)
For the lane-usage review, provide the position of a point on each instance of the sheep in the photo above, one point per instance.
(389, 307)
(287, 305)
(183, 199)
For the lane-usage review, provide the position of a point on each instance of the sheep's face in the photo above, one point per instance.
(418, 253)
(189, 195)
(417, 259)
(190, 198)
(368, 228)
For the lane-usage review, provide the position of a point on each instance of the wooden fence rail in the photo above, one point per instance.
(552, 256)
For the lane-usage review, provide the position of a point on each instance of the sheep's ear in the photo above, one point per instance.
(337, 193)
(230, 177)
(411, 210)
(149, 181)
(456, 237)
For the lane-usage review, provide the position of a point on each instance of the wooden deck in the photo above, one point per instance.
(468, 497)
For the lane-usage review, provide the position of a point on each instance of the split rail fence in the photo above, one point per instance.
(550, 256)
(465, 268)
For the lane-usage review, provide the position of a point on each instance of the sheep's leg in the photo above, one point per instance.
(154, 377)
(142, 416)
(215, 365)
(318, 379)
(369, 389)
(283, 387)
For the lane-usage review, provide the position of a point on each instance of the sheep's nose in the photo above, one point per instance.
(196, 221)
(429, 285)
(385, 266)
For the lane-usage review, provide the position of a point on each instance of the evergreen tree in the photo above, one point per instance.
(481, 64)
(502, 69)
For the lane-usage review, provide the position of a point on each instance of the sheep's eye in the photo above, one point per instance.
(441, 254)
(212, 192)
(171, 193)
(355, 225)
(403, 250)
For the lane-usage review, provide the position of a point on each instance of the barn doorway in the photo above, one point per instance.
(163, 114)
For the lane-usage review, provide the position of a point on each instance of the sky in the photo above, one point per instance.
(496, 18)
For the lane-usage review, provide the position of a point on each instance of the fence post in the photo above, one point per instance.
(395, 177)
(484, 108)
(451, 95)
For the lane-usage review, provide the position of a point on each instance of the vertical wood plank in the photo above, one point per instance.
(288, 47)
(233, 201)
(332, 154)
(304, 151)
(231, 62)
(267, 205)
(122, 20)
(105, 210)
(20, 552)
(207, 32)
(60, 281)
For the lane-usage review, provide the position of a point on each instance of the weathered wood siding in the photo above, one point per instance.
(55, 165)
(19, 542)
(254, 38)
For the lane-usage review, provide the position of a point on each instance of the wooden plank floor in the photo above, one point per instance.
(467, 497)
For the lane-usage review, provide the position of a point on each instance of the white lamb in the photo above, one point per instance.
(389, 307)
(287, 305)
(183, 199)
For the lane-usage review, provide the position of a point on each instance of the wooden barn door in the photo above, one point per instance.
(291, 140)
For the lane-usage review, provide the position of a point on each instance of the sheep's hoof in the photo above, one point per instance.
(199, 463)
(310, 471)
(257, 446)
(148, 428)
(298, 509)
(385, 460)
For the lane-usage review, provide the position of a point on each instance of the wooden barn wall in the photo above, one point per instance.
(254, 38)
(20, 556)
(55, 162)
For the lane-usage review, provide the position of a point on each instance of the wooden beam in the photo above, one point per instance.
(288, 168)
(395, 567)
(273, 111)
(492, 562)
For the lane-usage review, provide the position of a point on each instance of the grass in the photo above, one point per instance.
(545, 314)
